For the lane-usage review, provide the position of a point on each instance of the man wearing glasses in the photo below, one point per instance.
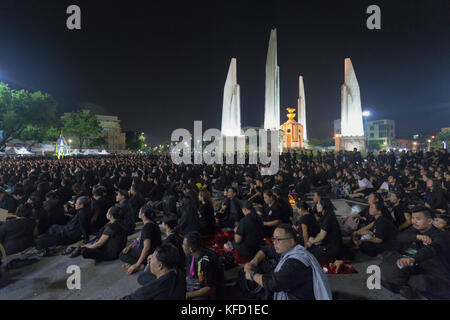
(297, 276)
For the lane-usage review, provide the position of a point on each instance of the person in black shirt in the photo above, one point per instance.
(327, 245)
(285, 206)
(305, 222)
(294, 278)
(303, 185)
(271, 214)
(136, 201)
(135, 255)
(249, 234)
(442, 222)
(206, 213)
(203, 276)
(169, 282)
(436, 196)
(16, 235)
(422, 261)
(382, 235)
(400, 218)
(189, 220)
(122, 203)
(76, 229)
(111, 242)
(100, 208)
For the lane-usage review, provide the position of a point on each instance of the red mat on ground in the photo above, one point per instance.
(217, 241)
(347, 268)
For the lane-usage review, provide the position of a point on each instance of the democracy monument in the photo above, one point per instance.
(352, 123)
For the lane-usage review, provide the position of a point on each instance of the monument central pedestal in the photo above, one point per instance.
(343, 143)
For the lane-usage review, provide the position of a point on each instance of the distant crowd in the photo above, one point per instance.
(90, 206)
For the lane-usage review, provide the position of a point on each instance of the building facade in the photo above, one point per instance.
(381, 132)
(112, 132)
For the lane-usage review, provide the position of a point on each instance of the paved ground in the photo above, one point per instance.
(46, 279)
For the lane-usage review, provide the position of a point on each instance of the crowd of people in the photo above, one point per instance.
(91, 205)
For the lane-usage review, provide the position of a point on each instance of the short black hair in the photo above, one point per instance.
(289, 230)
(25, 210)
(426, 211)
(168, 255)
(444, 217)
(194, 240)
(302, 205)
(379, 205)
(116, 212)
(84, 201)
(147, 210)
(171, 220)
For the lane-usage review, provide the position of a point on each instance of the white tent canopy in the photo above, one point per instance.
(19, 151)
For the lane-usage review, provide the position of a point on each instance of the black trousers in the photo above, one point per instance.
(372, 249)
(97, 254)
(429, 285)
(132, 256)
(326, 255)
(55, 237)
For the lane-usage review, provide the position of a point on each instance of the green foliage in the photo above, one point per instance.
(321, 142)
(134, 141)
(441, 136)
(20, 109)
(98, 142)
(376, 145)
(81, 124)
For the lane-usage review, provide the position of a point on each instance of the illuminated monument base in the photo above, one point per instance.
(349, 143)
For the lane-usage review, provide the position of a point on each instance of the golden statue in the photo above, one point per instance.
(291, 114)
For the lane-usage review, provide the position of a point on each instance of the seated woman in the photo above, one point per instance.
(249, 234)
(365, 187)
(401, 218)
(379, 237)
(39, 215)
(305, 223)
(135, 255)
(111, 242)
(327, 246)
(206, 213)
(16, 235)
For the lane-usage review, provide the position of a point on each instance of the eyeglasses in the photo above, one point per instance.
(279, 239)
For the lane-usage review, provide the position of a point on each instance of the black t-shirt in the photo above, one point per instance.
(398, 215)
(117, 238)
(251, 229)
(385, 230)
(150, 231)
(330, 224)
(206, 271)
(311, 223)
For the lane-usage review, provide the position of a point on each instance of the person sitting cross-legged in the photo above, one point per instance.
(135, 255)
(422, 263)
(169, 282)
(378, 237)
(75, 230)
(113, 238)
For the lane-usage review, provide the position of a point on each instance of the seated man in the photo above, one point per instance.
(135, 256)
(422, 263)
(377, 237)
(297, 276)
(203, 275)
(16, 235)
(75, 230)
(169, 282)
(249, 234)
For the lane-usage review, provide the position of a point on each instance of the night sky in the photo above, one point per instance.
(160, 65)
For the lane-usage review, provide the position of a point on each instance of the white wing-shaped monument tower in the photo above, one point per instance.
(272, 99)
(302, 109)
(352, 132)
(231, 112)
